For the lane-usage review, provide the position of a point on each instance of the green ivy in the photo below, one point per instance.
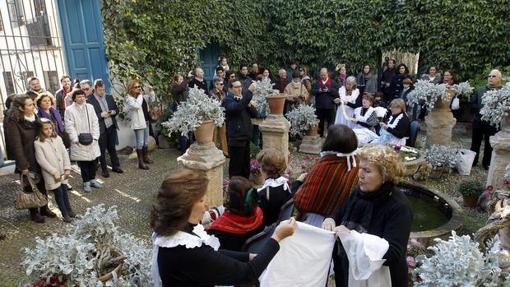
(154, 39)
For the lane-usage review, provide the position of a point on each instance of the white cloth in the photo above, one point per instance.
(362, 119)
(76, 123)
(350, 157)
(365, 135)
(303, 260)
(180, 238)
(135, 112)
(344, 112)
(365, 253)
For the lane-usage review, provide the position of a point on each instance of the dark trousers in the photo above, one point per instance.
(88, 169)
(325, 115)
(107, 141)
(239, 154)
(62, 199)
(482, 130)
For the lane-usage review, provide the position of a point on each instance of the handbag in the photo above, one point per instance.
(86, 138)
(455, 104)
(28, 196)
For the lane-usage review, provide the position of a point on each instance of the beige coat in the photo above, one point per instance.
(293, 91)
(135, 112)
(53, 160)
(75, 124)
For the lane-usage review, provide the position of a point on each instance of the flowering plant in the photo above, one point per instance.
(439, 155)
(193, 112)
(459, 262)
(91, 247)
(429, 93)
(264, 90)
(495, 104)
(301, 119)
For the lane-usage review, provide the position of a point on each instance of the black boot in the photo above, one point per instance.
(59, 198)
(146, 158)
(35, 216)
(141, 164)
(47, 212)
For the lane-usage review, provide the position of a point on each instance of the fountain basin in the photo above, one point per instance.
(434, 214)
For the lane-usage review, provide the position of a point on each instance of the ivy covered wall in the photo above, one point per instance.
(154, 39)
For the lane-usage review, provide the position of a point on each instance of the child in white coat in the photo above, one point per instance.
(52, 156)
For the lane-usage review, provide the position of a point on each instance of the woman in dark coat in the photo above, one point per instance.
(20, 132)
(184, 254)
(376, 207)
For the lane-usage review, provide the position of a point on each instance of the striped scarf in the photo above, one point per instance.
(327, 186)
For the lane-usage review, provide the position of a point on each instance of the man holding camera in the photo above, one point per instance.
(106, 110)
(325, 91)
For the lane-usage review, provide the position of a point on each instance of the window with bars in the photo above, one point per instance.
(9, 83)
(17, 12)
(51, 81)
(1, 22)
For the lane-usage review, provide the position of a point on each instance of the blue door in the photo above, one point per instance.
(209, 58)
(82, 31)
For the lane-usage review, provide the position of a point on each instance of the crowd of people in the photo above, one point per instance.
(45, 133)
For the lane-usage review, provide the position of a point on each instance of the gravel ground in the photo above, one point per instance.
(133, 192)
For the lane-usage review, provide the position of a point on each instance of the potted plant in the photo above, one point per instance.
(199, 114)
(92, 252)
(442, 159)
(470, 190)
(303, 121)
(264, 89)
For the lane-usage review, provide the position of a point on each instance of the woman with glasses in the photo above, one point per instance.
(139, 115)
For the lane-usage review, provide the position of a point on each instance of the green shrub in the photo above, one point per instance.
(471, 188)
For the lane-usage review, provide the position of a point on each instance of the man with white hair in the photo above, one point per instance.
(483, 130)
(198, 80)
(86, 87)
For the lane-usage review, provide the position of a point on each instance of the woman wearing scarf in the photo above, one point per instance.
(329, 182)
(46, 109)
(242, 218)
(378, 210)
(275, 191)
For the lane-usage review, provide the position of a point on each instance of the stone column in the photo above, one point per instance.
(500, 158)
(440, 122)
(275, 133)
(311, 143)
(208, 158)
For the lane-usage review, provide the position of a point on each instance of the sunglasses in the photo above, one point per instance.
(235, 87)
(85, 89)
(137, 87)
(221, 84)
(491, 76)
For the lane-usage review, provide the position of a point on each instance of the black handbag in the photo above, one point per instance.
(86, 138)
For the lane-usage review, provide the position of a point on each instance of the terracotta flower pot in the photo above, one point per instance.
(276, 104)
(470, 201)
(204, 133)
(313, 131)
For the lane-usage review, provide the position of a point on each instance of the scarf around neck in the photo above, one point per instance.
(53, 116)
(359, 212)
(238, 224)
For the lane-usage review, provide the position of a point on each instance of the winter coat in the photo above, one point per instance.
(239, 114)
(112, 106)
(76, 123)
(53, 159)
(19, 140)
(325, 94)
(368, 81)
(295, 90)
(135, 112)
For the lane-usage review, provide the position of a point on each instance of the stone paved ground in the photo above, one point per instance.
(133, 193)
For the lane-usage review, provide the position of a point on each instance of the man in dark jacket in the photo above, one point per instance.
(244, 77)
(239, 110)
(483, 130)
(198, 80)
(325, 91)
(106, 110)
(386, 79)
(61, 94)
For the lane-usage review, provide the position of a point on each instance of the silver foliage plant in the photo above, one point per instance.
(495, 104)
(264, 90)
(72, 254)
(440, 155)
(459, 262)
(428, 93)
(301, 119)
(193, 112)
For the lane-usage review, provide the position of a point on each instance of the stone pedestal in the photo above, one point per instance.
(500, 158)
(275, 134)
(440, 122)
(311, 144)
(207, 158)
